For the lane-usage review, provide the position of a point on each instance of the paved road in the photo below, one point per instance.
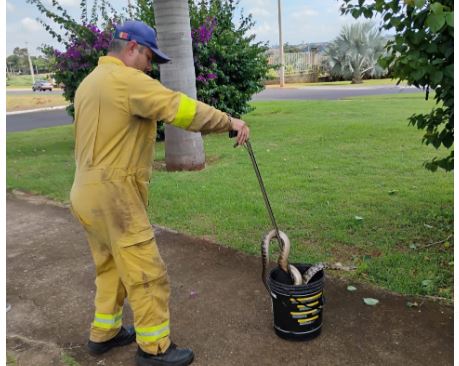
(330, 92)
(30, 121)
(22, 122)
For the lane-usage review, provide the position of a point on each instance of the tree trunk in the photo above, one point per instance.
(184, 150)
(356, 76)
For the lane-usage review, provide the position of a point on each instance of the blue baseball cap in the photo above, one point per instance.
(135, 30)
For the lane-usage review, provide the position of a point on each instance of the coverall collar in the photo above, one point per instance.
(110, 60)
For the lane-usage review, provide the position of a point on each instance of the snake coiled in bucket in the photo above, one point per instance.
(283, 257)
(311, 272)
(294, 273)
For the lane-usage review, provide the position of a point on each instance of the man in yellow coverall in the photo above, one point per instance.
(116, 109)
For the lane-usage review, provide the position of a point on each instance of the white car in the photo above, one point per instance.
(42, 85)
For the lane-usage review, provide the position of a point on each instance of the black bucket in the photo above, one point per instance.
(297, 310)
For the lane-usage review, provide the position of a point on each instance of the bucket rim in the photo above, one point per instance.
(298, 287)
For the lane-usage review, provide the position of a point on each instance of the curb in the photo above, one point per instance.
(35, 199)
(36, 110)
(43, 200)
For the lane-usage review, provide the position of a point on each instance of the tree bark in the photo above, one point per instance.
(356, 77)
(184, 150)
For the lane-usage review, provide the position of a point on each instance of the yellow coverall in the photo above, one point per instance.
(116, 110)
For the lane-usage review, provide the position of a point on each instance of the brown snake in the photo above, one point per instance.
(283, 260)
(283, 257)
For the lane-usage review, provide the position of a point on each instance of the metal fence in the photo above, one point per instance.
(298, 63)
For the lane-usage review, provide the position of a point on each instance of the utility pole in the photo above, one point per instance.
(30, 65)
(281, 46)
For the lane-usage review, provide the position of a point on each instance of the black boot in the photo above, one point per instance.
(125, 336)
(172, 357)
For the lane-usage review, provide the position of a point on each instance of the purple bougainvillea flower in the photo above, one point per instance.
(203, 34)
(93, 28)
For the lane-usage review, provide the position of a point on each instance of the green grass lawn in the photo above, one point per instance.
(23, 81)
(345, 180)
(341, 83)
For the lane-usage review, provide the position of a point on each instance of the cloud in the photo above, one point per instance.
(10, 7)
(260, 12)
(259, 8)
(64, 3)
(304, 13)
(264, 28)
(334, 9)
(263, 31)
(70, 2)
(254, 3)
(31, 25)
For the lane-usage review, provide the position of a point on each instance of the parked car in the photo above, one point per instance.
(42, 85)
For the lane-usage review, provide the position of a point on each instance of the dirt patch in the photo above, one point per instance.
(16, 103)
(348, 253)
(160, 165)
(36, 200)
(24, 351)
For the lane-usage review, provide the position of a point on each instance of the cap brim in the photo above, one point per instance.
(161, 58)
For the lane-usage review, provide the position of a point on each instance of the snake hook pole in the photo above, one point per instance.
(248, 146)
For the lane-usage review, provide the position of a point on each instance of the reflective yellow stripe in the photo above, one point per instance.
(108, 321)
(303, 312)
(303, 321)
(307, 306)
(185, 113)
(152, 334)
(304, 299)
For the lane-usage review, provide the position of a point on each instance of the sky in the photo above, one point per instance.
(302, 21)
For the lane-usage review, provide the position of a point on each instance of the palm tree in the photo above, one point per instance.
(355, 52)
(184, 150)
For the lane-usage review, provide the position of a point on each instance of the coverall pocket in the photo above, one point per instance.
(141, 263)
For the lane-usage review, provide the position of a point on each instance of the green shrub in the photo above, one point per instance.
(272, 74)
(230, 66)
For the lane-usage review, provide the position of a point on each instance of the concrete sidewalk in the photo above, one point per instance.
(219, 306)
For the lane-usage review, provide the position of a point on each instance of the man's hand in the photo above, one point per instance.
(242, 129)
